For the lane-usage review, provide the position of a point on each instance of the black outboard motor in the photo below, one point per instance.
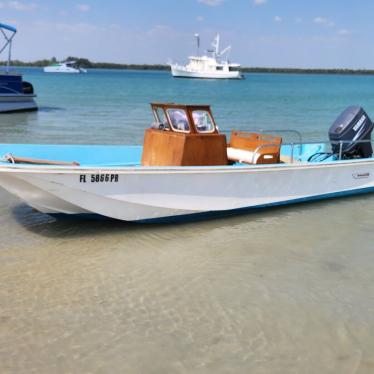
(350, 127)
(27, 88)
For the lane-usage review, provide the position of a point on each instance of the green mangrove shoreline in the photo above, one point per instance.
(87, 64)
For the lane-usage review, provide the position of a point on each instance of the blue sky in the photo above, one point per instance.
(268, 33)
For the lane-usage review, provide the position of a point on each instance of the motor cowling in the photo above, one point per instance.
(350, 134)
(27, 88)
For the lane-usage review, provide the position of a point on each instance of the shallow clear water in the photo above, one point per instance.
(288, 290)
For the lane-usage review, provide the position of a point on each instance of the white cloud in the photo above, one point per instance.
(211, 2)
(114, 26)
(12, 22)
(278, 19)
(83, 7)
(18, 6)
(159, 30)
(323, 21)
(259, 2)
(83, 28)
(199, 18)
(344, 32)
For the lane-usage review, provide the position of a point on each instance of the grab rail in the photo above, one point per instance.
(297, 133)
(324, 142)
(271, 132)
(261, 147)
(11, 90)
(292, 145)
(300, 142)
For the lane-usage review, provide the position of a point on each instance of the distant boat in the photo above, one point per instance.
(69, 67)
(15, 94)
(212, 67)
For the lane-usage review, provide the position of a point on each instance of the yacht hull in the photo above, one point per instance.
(65, 70)
(167, 194)
(178, 72)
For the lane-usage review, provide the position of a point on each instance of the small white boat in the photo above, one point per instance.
(69, 67)
(186, 170)
(15, 94)
(209, 67)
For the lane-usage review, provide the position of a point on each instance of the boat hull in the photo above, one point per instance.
(17, 103)
(179, 72)
(169, 194)
(63, 70)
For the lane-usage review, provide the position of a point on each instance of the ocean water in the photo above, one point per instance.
(112, 106)
(288, 290)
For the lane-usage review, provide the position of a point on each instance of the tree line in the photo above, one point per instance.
(87, 64)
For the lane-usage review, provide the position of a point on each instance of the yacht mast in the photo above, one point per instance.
(197, 36)
(215, 46)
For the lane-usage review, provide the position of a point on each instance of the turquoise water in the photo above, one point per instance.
(112, 107)
(287, 290)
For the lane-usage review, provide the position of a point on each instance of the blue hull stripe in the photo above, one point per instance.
(223, 213)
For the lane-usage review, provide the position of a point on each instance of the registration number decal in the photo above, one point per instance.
(98, 178)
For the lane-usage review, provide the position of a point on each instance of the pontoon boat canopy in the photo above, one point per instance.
(7, 27)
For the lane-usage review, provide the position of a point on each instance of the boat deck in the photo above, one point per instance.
(124, 155)
(85, 155)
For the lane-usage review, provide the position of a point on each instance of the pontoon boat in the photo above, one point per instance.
(15, 94)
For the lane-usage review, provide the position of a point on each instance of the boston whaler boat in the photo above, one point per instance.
(186, 169)
(208, 67)
(15, 94)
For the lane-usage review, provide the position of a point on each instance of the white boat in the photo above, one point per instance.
(186, 170)
(15, 94)
(209, 67)
(69, 67)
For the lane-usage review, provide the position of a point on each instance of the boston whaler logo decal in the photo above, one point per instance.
(361, 175)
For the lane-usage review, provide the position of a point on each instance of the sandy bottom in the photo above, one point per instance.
(287, 290)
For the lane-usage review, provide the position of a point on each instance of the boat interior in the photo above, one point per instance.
(187, 135)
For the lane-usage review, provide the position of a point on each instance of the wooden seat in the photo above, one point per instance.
(254, 148)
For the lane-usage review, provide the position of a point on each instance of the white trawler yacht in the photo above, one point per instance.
(212, 66)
